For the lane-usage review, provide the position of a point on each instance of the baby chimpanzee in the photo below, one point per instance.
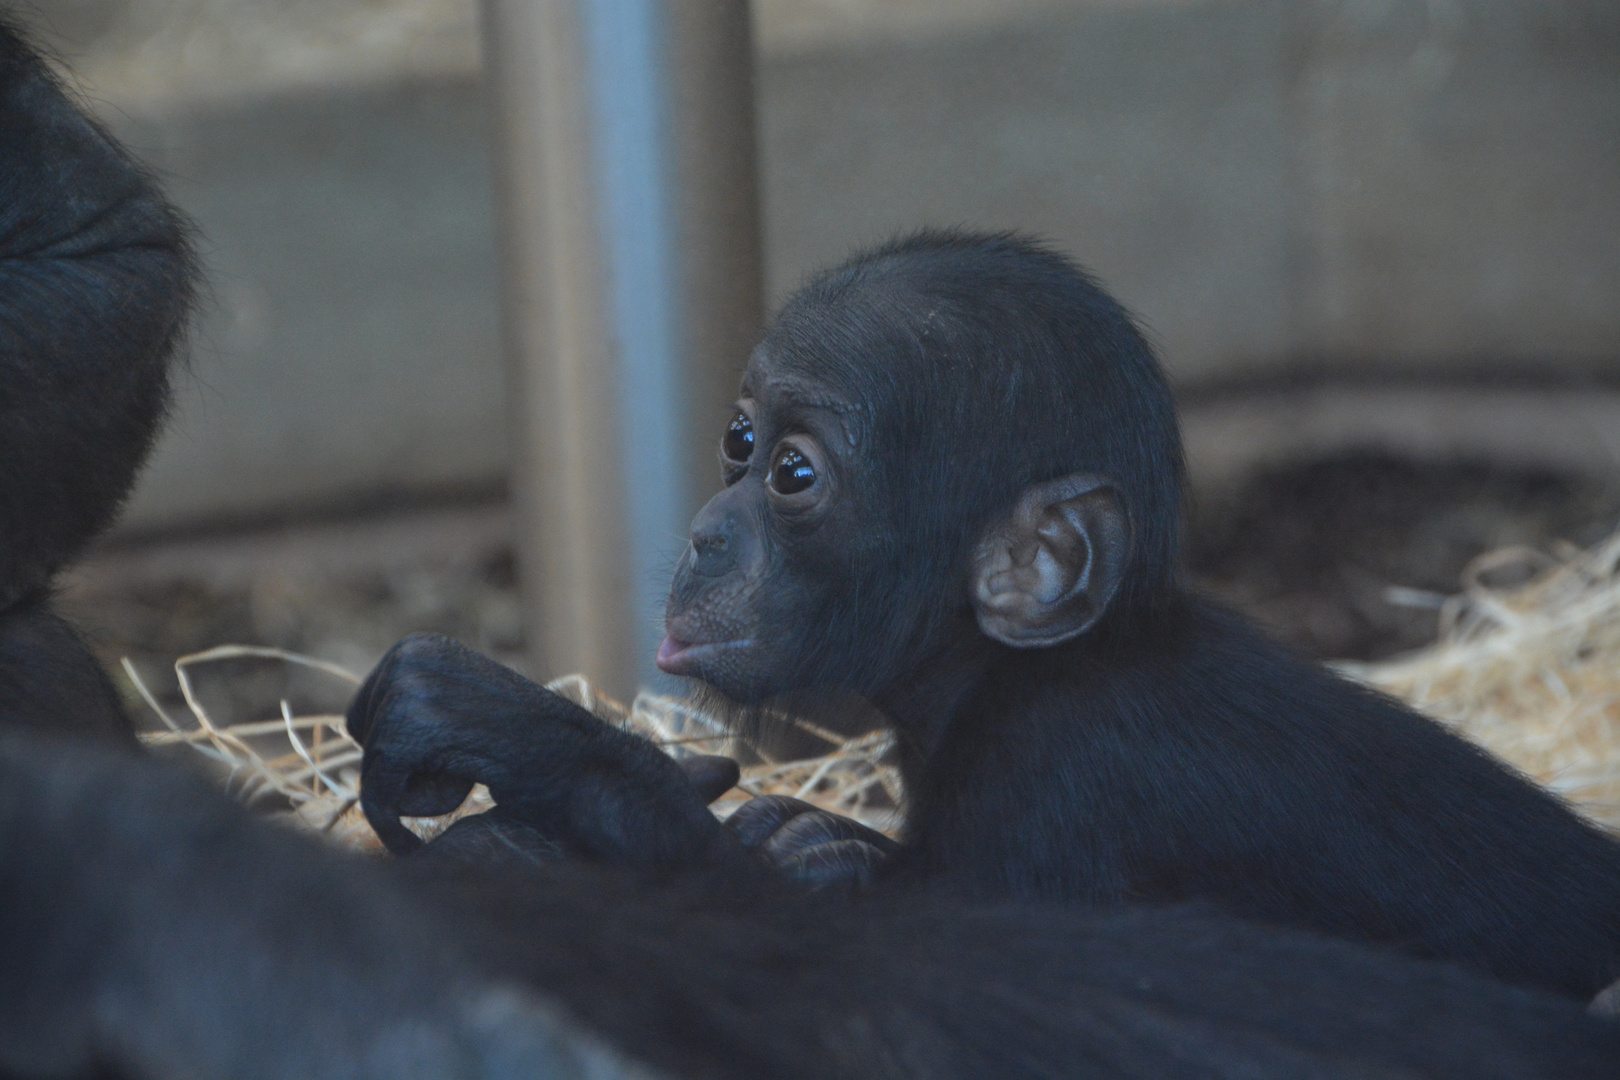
(150, 928)
(954, 486)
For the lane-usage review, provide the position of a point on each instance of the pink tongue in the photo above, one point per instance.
(668, 650)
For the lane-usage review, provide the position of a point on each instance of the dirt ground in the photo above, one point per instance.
(340, 590)
(1349, 557)
(1345, 557)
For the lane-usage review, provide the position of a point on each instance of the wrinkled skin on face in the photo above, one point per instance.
(768, 551)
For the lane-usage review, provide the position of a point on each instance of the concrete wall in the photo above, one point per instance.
(1268, 183)
(1153, 142)
(1459, 171)
(1364, 185)
(350, 348)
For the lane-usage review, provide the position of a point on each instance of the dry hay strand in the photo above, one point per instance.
(1531, 673)
(313, 765)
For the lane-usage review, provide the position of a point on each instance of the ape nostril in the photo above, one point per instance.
(712, 553)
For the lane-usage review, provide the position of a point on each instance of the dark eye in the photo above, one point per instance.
(738, 443)
(792, 472)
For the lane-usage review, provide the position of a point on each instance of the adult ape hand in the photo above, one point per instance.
(435, 717)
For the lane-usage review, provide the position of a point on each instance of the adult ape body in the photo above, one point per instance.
(953, 486)
(95, 282)
(152, 929)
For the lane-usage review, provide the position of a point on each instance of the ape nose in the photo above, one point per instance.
(714, 547)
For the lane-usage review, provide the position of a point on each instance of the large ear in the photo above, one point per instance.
(1046, 572)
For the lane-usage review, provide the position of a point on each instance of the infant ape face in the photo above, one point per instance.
(948, 444)
(799, 512)
(817, 567)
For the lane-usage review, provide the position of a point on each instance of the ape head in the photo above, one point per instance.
(97, 276)
(954, 441)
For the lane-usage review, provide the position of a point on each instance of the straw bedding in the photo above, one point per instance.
(1531, 673)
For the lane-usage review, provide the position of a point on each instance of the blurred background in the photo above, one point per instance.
(1377, 241)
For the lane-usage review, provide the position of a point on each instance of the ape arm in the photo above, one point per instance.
(96, 277)
(436, 717)
(152, 929)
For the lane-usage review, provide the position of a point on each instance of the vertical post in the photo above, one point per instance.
(629, 231)
(720, 263)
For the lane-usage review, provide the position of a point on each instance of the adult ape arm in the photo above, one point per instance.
(96, 278)
(436, 717)
(152, 929)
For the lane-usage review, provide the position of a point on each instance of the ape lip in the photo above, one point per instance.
(679, 657)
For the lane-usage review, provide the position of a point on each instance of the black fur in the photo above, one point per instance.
(153, 929)
(96, 279)
(1171, 752)
(50, 681)
(1201, 761)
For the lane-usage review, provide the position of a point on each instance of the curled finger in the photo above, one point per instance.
(711, 774)
(382, 792)
(842, 862)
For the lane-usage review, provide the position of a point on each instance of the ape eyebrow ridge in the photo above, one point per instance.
(790, 396)
(802, 394)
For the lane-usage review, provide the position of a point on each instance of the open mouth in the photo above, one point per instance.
(679, 657)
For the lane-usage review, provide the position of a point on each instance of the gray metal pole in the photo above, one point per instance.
(631, 283)
(720, 263)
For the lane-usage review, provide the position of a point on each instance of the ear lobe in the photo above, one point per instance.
(1046, 573)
